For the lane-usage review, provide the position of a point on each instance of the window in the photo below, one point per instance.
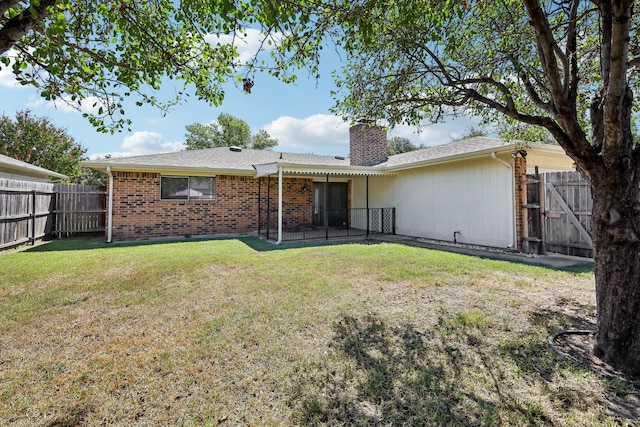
(187, 187)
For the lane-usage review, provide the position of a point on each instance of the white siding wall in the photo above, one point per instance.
(473, 197)
(17, 177)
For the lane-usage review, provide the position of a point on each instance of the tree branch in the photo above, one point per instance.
(577, 144)
(572, 45)
(5, 5)
(17, 27)
(531, 90)
(617, 83)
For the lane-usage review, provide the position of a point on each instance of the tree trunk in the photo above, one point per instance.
(616, 231)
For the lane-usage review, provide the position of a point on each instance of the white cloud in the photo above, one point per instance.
(327, 134)
(142, 143)
(318, 134)
(7, 78)
(35, 102)
(89, 105)
(436, 134)
(147, 142)
(248, 42)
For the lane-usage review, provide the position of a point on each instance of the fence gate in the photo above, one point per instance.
(559, 214)
(78, 209)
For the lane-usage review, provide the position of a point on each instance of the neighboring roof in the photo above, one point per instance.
(11, 166)
(264, 162)
(221, 159)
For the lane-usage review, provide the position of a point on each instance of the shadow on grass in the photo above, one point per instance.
(261, 245)
(381, 374)
(76, 417)
(254, 243)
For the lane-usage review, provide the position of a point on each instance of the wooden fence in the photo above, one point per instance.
(31, 211)
(78, 209)
(559, 214)
(25, 212)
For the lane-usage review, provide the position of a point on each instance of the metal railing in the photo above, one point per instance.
(329, 223)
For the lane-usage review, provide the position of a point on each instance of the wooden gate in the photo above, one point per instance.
(559, 214)
(79, 209)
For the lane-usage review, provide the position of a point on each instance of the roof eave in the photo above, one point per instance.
(448, 159)
(120, 167)
(34, 173)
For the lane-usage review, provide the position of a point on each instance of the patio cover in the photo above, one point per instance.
(305, 169)
(267, 169)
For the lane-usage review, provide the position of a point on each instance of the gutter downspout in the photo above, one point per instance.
(110, 204)
(514, 243)
(279, 206)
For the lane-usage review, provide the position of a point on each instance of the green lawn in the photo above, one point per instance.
(233, 332)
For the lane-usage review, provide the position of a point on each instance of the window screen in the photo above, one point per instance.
(187, 187)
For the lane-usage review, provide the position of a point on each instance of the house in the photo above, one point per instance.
(469, 191)
(13, 169)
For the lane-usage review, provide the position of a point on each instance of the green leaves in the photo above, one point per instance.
(37, 141)
(226, 132)
(106, 49)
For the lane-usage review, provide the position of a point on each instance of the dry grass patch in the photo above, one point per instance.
(218, 333)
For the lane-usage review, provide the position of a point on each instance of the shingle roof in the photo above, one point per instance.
(221, 158)
(444, 151)
(242, 161)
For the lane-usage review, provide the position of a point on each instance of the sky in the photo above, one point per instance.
(297, 115)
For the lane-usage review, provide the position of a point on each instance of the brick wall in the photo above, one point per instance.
(368, 144)
(520, 177)
(297, 206)
(139, 213)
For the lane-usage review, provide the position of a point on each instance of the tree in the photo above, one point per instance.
(471, 132)
(37, 141)
(96, 54)
(399, 144)
(227, 131)
(261, 140)
(568, 67)
(92, 177)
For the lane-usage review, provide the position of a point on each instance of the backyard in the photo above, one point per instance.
(241, 332)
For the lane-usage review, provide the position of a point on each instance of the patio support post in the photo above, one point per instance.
(326, 210)
(367, 202)
(259, 205)
(268, 205)
(110, 206)
(279, 206)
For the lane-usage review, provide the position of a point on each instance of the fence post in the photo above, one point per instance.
(54, 213)
(33, 218)
(542, 248)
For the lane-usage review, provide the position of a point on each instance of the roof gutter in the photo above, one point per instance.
(110, 208)
(123, 167)
(514, 243)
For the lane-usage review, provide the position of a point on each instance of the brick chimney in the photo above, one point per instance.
(367, 143)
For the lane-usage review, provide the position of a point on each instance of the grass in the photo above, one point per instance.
(233, 332)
